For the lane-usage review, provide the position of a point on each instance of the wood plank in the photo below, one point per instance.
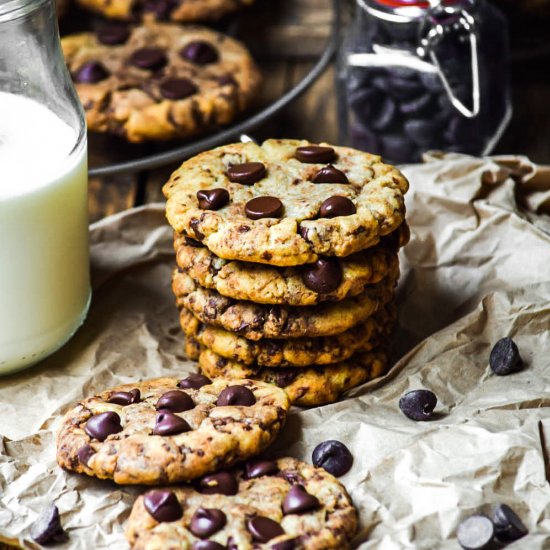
(107, 196)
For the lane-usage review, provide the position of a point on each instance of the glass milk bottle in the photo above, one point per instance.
(44, 258)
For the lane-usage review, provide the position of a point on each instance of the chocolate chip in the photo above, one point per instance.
(84, 454)
(200, 52)
(161, 8)
(337, 206)
(259, 468)
(175, 401)
(333, 456)
(148, 58)
(125, 398)
(194, 243)
(418, 404)
(246, 173)
(112, 34)
(508, 525)
(207, 545)
(237, 396)
(285, 376)
(168, 423)
(47, 528)
(285, 545)
(505, 358)
(194, 381)
(323, 276)
(163, 505)
(263, 207)
(91, 72)
(220, 483)
(227, 80)
(263, 529)
(315, 154)
(177, 88)
(103, 425)
(476, 533)
(329, 174)
(206, 522)
(212, 199)
(298, 500)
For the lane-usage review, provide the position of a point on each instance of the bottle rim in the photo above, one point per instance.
(404, 11)
(14, 9)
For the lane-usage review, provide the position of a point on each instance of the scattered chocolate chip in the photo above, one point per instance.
(207, 545)
(337, 206)
(285, 545)
(112, 34)
(177, 88)
(263, 207)
(508, 525)
(476, 533)
(418, 404)
(285, 376)
(206, 522)
(246, 173)
(258, 468)
(194, 381)
(163, 505)
(125, 398)
(212, 199)
(315, 154)
(194, 243)
(161, 8)
(84, 454)
(237, 396)
(220, 483)
(505, 358)
(47, 528)
(329, 174)
(175, 401)
(102, 425)
(263, 529)
(298, 500)
(91, 72)
(227, 80)
(150, 59)
(333, 456)
(168, 423)
(323, 276)
(200, 52)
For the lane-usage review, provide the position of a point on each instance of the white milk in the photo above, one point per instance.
(44, 265)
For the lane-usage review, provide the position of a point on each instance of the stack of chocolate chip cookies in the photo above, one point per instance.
(287, 263)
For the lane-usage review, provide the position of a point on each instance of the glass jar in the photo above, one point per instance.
(415, 75)
(44, 257)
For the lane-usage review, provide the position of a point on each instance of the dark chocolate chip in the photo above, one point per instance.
(298, 500)
(220, 483)
(285, 376)
(337, 206)
(508, 525)
(264, 207)
(112, 34)
(227, 80)
(285, 545)
(162, 505)
(84, 454)
(476, 533)
(315, 154)
(161, 8)
(47, 528)
(149, 58)
(212, 199)
(263, 529)
(418, 404)
(175, 401)
(329, 174)
(125, 397)
(102, 425)
(200, 52)
(505, 358)
(91, 72)
(333, 456)
(206, 522)
(323, 276)
(259, 468)
(194, 243)
(177, 88)
(237, 396)
(207, 545)
(194, 382)
(246, 173)
(168, 423)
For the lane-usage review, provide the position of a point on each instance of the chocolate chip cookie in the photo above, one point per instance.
(286, 203)
(168, 430)
(282, 504)
(159, 81)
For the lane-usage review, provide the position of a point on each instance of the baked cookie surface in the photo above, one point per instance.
(282, 504)
(159, 81)
(285, 202)
(168, 430)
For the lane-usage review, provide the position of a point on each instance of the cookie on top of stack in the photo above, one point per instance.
(287, 263)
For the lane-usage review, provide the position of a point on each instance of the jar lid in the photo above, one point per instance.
(414, 3)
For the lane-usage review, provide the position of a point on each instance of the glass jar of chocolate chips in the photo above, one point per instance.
(417, 75)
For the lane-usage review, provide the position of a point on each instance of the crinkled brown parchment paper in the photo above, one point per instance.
(477, 269)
